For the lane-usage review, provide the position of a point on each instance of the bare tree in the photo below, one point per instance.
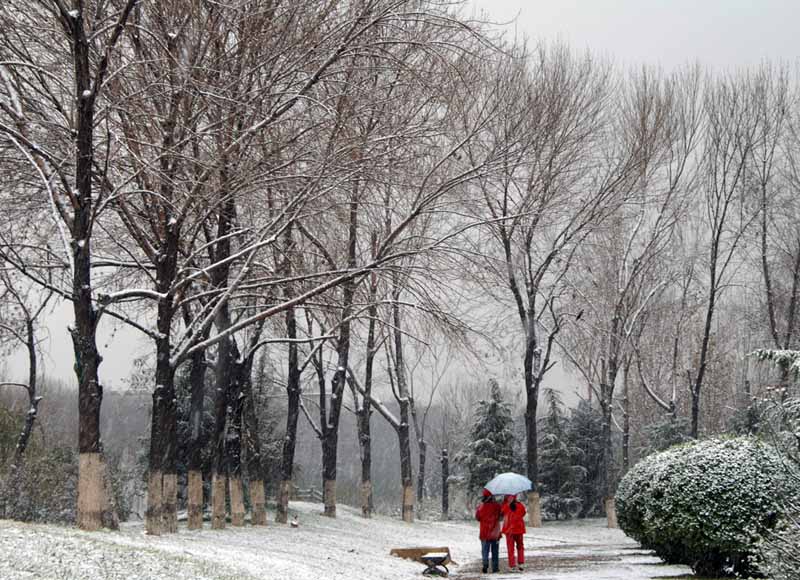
(553, 189)
(82, 41)
(22, 311)
(774, 181)
(732, 124)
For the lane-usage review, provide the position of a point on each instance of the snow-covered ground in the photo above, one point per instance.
(319, 548)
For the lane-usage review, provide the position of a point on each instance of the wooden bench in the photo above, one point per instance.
(435, 558)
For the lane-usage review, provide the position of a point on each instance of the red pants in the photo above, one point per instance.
(511, 541)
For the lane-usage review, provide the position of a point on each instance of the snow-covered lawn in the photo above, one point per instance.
(319, 548)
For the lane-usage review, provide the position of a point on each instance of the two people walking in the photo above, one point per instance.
(498, 519)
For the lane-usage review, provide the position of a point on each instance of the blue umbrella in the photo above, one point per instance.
(508, 484)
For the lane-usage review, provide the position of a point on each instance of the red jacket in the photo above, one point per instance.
(488, 514)
(514, 522)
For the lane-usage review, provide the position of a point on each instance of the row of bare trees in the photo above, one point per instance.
(346, 183)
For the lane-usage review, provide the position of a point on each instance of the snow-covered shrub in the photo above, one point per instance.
(779, 419)
(45, 488)
(633, 499)
(707, 504)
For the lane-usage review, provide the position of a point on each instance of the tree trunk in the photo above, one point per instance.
(195, 500)
(93, 502)
(155, 482)
(532, 354)
(611, 512)
(364, 413)
(292, 414)
(605, 436)
(704, 345)
(33, 400)
(218, 484)
(195, 459)
(423, 450)
(329, 447)
(233, 442)
(534, 510)
(365, 447)
(161, 512)
(406, 470)
(237, 499)
(403, 399)
(220, 463)
(12, 479)
(445, 460)
(330, 423)
(163, 427)
(626, 421)
(329, 497)
(284, 493)
(252, 448)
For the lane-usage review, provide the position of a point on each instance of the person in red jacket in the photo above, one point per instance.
(514, 528)
(489, 516)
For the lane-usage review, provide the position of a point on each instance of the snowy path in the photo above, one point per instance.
(320, 548)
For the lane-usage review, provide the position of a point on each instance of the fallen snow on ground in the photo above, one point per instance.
(347, 547)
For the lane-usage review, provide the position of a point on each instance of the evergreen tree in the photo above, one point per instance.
(559, 473)
(491, 446)
(584, 434)
(665, 433)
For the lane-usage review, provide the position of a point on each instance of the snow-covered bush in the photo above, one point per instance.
(707, 504)
(779, 419)
(45, 488)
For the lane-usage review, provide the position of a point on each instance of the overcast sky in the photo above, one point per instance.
(720, 33)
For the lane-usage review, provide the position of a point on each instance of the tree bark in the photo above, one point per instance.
(445, 461)
(93, 502)
(233, 442)
(219, 476)
(162, 503)
(12, 479)
(292, 414)
(403, 399)
(626, 420)
(531, 432)
(364, 412)
(330, 420)
(195, 459)
(91, 492)
(252, 448)
(423, 450)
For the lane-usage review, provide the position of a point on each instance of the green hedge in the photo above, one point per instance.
(706, 504)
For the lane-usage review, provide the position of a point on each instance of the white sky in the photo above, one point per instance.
(719, 33)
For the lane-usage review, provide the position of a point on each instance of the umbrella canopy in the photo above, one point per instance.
(508, 484)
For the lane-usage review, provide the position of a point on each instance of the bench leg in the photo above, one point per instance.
(434, 570)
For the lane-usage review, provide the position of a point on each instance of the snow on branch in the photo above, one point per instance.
(314, 426)
(21, 385)
(130, 294)
(788, 359)
(382, 409)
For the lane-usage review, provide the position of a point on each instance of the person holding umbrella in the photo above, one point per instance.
(510, 484)
(489, 516)
(514, 528)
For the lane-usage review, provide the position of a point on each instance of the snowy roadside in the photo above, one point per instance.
(347, 547)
